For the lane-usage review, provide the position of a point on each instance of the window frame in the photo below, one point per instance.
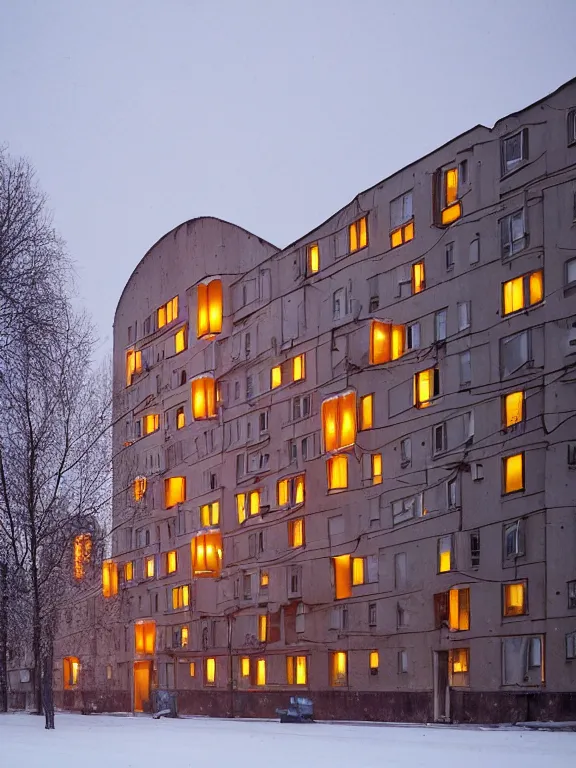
(312, 261)
(527, 302)
(505, 168)
(508, 610)
(505, 460)
(506, 222)
(360, 228)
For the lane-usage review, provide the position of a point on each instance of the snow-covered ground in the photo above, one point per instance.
(137, 742)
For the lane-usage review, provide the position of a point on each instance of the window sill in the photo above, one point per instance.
(511, 171)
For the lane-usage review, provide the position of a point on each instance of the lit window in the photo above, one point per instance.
(513, 473)
(247, 504)
(343, 576)
(261, 672)
(207, 555)
(184, 637)
(426, 386)
(171, 561)
(71, 670)
(180, 418)
(401, 220)
(264, 579)
(299, 367)
(210, 671)
(386, 342)
(513, 408)
(276, 377)
(337, 469)
(522, 292)
(167, 313)
(418, 277)
(515, 599)
(374, 661)
(313, 258)
(204, 398)
(296, 670)
(145, 637)
(109, 578)
(192, 669)
(296, 532)
(139, 488)
(445, 554)
(262, 628)
(339, 422)
(151, 423)
(245, 666)
(338, 668)
(174, 491)
(180, 340)
(149, 567)
(209, 310)
(290, 491)
(210, 514)
(81, 556)
(459, 607)
(358, 571)
(358, 234)
(180, 597)
(366, 412)
(450, 206)
(129, 570)
(376, 468)
(133, 365)
(458, 664)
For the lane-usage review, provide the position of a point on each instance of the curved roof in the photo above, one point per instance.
(172, 231)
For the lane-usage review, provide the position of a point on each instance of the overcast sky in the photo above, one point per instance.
(272, 114)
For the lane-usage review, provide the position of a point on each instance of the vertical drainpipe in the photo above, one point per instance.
(230, 667)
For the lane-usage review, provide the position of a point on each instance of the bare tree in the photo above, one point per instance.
(55, 418)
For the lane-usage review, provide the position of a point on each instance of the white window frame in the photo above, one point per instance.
(439, 315)
(406, 212)
(406, 509)
(449, 255)
(465, 364)
(413, 335)
(513, 244)
(510, 165)
(439, 429)
(463, 315)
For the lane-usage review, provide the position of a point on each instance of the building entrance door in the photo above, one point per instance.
(142, 679)
(441, 687)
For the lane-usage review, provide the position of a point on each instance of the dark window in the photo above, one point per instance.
(475, 549)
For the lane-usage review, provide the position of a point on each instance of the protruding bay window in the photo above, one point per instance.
(207, 555)
(209, 309)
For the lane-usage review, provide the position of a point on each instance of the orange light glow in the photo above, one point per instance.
(339, 421)
(376, 468)
(296, 532)
(276, 377)
(207, 555)
(174, 491)
(339, 668)
(151, 423)
(204, 398)
(337, 469)
(366, 411)
(386, 342)
(171, 561)
(180, 341)
(139, 488)
(133, 364)
(513, 408)
(82, 551)
(71, 672)
(209, 309)
(342, 576)
(418, 277)
(145, 637)
(299, 367)
(109, 578)
(313, 258)
(358, 235)
(514, 473)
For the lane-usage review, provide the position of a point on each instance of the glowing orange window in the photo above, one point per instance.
(139, 488)
(204, 398)
(71, 670)
(339, 421)
(386, 342)
(450, 206)
(418, 277)
(358, 234)
(82, 550)
(145, 637)
(209, 309)
(207, 555)
(109, 578)
(133, 364)
(174, 491)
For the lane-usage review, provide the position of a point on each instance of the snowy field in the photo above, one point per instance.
(135, 742)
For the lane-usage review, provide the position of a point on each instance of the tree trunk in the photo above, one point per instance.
(3, 637)
(36, 639)
(47, 684)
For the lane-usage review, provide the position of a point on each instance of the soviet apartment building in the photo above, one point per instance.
(347, 467)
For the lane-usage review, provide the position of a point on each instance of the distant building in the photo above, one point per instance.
(348, 467)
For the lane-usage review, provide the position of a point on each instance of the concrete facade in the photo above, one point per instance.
(441, 486)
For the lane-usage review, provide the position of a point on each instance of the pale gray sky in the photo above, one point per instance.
(272, 114)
